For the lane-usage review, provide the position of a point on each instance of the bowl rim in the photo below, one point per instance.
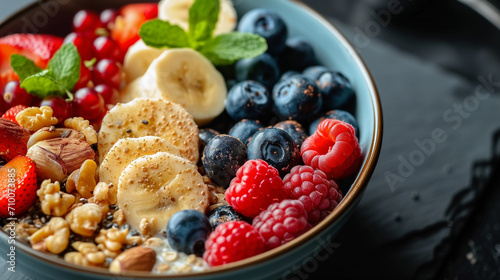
(355, 192)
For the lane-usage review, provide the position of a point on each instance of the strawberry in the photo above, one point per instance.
(37, 47)
(13, 139)
(18, 185)
(126, 28)
(12, 113)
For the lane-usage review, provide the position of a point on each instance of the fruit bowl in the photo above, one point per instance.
(332, 50)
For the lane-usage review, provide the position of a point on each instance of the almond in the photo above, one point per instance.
(134, 259)
(73, 152)
(52, 132)
(48, 164)
(57, 157)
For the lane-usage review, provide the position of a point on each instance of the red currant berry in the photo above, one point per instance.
(83, 43)
(108, 72)
(109, 94)
(88, 104)
(105, 47)
(108, 18)
(62, 109)
(86, 21)
(97, 122)
(85, 78)
(14, 95)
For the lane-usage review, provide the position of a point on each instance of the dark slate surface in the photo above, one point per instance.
(429, 224)
(402, 230)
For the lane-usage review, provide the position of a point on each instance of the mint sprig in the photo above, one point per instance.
(60, 77)
(224, 49)
(227, 48)
(203, 16)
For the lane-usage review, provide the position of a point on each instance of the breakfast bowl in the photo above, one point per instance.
(332, 50)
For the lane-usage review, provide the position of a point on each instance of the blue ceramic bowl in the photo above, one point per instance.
(332, 50)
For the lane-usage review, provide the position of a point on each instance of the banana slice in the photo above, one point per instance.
(186, 77)
(177, 12)
(138, 58)
(158, 186)
(150, 117)
(126, 150)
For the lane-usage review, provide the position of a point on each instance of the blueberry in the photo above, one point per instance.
(294, 129)
(245, 129)
(336, 90)
(222, 157)
(297, 55)
(267, 24)
(248, 100)
(222, 214)
(276, 147)
(297, 98)
(263, 69)
(336, 115)
(187, 231)
(206, 134)
(288, 74)
(314, 72)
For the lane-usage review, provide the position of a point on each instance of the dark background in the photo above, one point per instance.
(435, 218)
(438, 218)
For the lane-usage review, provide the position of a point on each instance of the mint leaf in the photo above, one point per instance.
(42, 85)
(228, 48)
(23, 66)
(203, 16)
(61, 75)
(160, 34)
(65, 66)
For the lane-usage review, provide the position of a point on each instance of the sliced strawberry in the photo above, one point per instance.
(18, 186)
(126, 28)
(13, 139)
(37, 47)
(12, 113)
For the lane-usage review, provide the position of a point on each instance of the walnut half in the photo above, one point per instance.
(53, 201)
(53, 237)
(85, 219)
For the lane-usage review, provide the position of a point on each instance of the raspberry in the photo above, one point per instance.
(312, 187)
(333, 149)
(232, 241)
(256, 186)
(281, 222)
